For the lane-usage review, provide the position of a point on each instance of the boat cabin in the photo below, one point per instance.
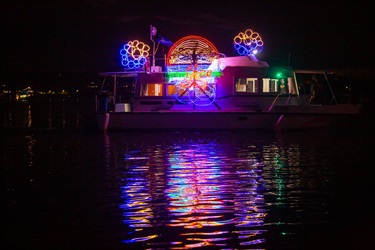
(231, 83)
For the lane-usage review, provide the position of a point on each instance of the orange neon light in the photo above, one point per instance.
(182, 51)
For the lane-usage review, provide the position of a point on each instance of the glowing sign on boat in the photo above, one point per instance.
(248, 42)
(134, 54)
(184, 49)
(203, 73)
(188, 60)
(198, 86)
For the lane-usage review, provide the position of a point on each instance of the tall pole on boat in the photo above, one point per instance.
(114, 89)
(153, 31)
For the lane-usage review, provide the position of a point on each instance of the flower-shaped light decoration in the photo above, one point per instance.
(134, 54)
(248, 42)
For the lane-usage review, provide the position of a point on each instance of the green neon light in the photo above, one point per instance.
(184, 74)
(279, 75)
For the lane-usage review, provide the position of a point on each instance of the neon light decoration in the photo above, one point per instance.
(183, 74)
(193, 83)
(134, 54)
(184, 49)
(248, 42)
(197, 86)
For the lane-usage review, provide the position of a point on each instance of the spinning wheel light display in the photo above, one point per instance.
(248, 42)
(182, 51)
(134, 54)
(197, 85)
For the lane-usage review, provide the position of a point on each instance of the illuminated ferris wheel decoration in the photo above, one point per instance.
(134, 54)
(182, 51)
(248, 42)
(197, 85)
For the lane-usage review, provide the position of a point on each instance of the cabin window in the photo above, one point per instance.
(291, 86)
(270, 85)
(249, 85)
(153, 89)
(171, 89)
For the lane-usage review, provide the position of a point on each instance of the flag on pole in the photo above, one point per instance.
(164, 41)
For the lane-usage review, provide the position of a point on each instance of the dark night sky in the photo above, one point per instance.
(86, 35)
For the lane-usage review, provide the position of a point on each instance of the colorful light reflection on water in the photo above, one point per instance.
(227, 190)
(65, 187)
(202, 193)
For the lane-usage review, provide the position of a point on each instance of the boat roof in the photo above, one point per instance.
(217, 65)
(125, 73)
(312, 71)
(245, 61)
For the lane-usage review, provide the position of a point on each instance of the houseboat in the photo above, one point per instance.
(199, 88)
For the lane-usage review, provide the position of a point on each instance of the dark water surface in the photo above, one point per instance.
(66, 185)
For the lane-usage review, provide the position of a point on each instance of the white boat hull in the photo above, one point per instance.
(280, 117)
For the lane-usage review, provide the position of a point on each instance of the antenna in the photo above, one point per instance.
(153, 32)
